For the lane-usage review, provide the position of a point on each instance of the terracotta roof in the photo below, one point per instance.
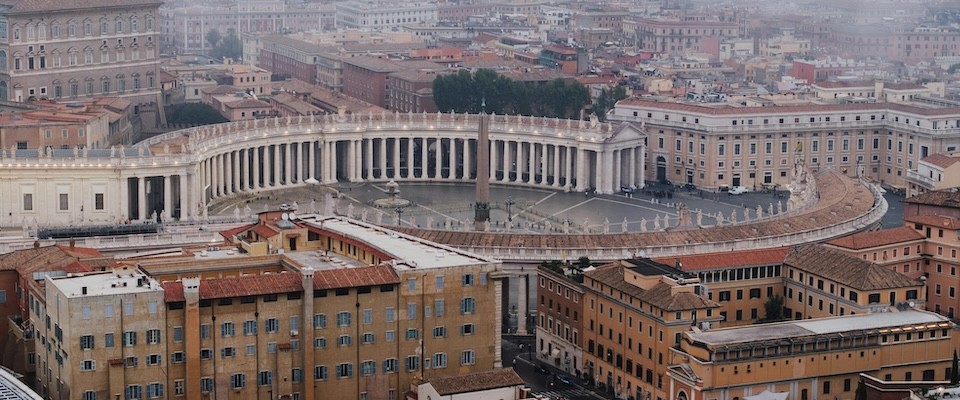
(475, 382)
(940, 160)
(247, 103)
(939, 221)
(883, 237)
(943, 198)
(265, 231)
(229, 233)
(843, 84)
(249, 285)
(659, 295)
(47, 258)
(903, 86)
(221, 89)
(728, 259)
(354, 277)
(32, 6)
(846, 269)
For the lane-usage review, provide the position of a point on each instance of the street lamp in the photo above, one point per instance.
(399, 211)
(510, 204)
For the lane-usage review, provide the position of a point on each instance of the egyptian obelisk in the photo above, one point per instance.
(482, 207)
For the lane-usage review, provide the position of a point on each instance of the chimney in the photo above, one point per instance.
(73, 243)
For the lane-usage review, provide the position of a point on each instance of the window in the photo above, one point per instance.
(468, 280)
(467, 329)
(86, 342)
(271, 325)
(368, 338)
(468, 305)
(367, 316)
(133, 392)
(343, 318)
(206, 385)
(439, 307)
(296, 374)
(344, 340)
(28, 202)
(228, 352)
(204, 331)
(412, 363)
(468, 357)
(238, 381)
(320, 343)
(412, 334)
(88, 365)
(129, 339)
(264, 378)
(177, 357)
(108, 340)
(249, 327)
(439, 285)
(64, 203)
(206, 354)
(319, 321)
(89, 395)
(440, 331)
(368, 367)
(344, 370)
(179, 387)
(154, 359)
(440, 360)
(391, 314)
(153, 336)
(320, 372)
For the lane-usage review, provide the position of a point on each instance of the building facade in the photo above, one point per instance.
(98, 48)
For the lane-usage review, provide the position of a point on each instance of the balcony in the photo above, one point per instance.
(920, 180)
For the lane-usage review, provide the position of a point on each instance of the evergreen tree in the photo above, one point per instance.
(955, 369)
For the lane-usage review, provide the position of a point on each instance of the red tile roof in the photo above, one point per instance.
(250, 285)
(941, 160)
(935, 220)
(705, 109)
(265, 231)
(728, 259)
(883, 237)
(353, 277)
(943, 198)
(477, 381)
(846, 269)
(660, 295)
(229, 233)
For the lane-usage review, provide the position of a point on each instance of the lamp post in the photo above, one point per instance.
(399, 211)
(510, 204)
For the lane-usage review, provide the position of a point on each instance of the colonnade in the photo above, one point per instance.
(512, 161)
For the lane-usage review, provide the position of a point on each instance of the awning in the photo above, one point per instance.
(767, 395)
(556, 353)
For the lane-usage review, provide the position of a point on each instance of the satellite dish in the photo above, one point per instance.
(292, 216)
(285, 217)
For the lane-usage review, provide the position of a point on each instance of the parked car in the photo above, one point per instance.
(737, 190)
(285, 207)
(689, 186)
(564, 378)
(626, 189)
(542, 369)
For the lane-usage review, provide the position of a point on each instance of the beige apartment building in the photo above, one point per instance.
(283, 309)
(811, 359)
(78, 49)
(743, 143)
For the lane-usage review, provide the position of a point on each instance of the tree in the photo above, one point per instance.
(606, 100)
(773, 309)
(213, 38)
(229, 46)
(954, 68)
(485, 90)
(193, 114)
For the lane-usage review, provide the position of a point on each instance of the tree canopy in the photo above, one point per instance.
(485, 90)
(606, 100)
(228, 46)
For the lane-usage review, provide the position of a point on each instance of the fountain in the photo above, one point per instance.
(393, 199)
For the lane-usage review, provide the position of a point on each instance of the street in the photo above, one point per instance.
(542, 383)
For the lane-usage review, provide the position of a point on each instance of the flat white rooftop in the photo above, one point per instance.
(819, 326)
(117, 282)
(323, 260)
(12, 388)
(403, 248)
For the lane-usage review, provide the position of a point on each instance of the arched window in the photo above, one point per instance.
(55, 30)
(3, 60)
(682, 395)
(3, 90)
(134, 25)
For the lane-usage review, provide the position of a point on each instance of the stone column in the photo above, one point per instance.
(424, 157)
(382, 156)
(410, 159)
(521, 162)
(369, 158)
(287, 164)
(467, 168)
(312, 164)
(438, 171)
(532, 163)
(183, 191)
(167, 196)
(276, 165)
(453, 159)
(632, 166)
(494, 159)
(298, 150)
(522, 305)
(351, 149)
(642, 165)
(333, 162)
(256, 169)
(142, 198)
(396, 158)
(556, 166)
(568, 166)
(582, 183)
(215, 173)
(357, 160)
(599, 172)
(237, 171)
(243, 155)
(617, 167)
